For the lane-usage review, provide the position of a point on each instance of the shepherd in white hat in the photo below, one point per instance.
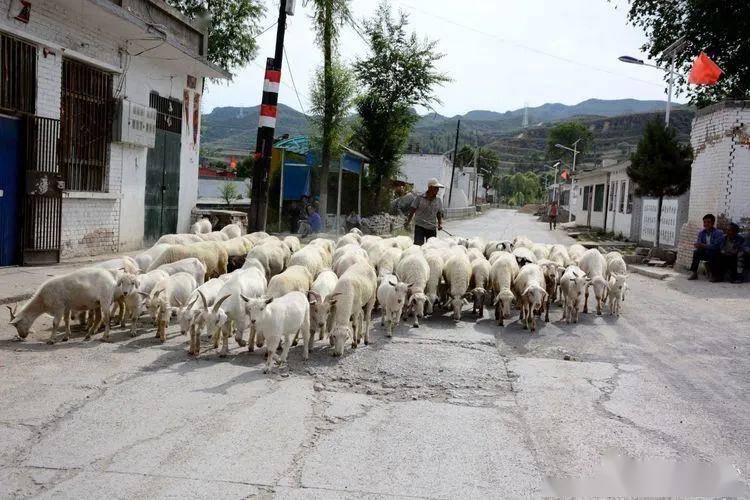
(427, 211)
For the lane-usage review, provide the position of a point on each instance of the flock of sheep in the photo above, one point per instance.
(226, 283)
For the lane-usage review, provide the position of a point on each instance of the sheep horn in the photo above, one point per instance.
(203, 299)
(244, 298)
(190, 306)
(220, 302)
(12, 312)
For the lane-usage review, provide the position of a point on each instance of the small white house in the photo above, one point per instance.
(605, 199)
(106, 96)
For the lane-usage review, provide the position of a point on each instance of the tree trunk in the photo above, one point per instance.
(658, 222)
(327, 111)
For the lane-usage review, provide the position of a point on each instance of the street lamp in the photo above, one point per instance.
(556, 192)
(671, 52)
(573, 150)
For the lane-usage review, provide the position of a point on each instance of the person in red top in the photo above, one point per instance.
(552, 214)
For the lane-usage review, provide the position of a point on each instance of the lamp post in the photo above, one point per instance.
(671, 52)
(573, 150)
(556, 192)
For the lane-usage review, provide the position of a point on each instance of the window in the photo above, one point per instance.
(630, 203)
(612, 196)
(623, 195)
(85, 126)
(599, 198)
(586, 196)
(17, 75)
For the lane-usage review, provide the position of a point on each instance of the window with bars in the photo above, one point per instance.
(612, 196)
(85, 126)
(168, 112)
(17, 75)
(586, 196)
(623, 195)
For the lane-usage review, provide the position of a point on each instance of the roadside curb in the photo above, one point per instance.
(653, 273)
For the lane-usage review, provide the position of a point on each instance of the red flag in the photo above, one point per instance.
(564, 175)
(705, 71)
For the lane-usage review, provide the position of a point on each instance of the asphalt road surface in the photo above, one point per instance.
(448, 410)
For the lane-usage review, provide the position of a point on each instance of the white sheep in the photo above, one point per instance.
(524, 256)
(347, 239)
(280, 319)
(403, 242)
(479, 283)
(415, 271)
(293, 243)
(228, 314)
(325, 243)
(502, 273)
(137, 292)
(522, 241)
(293, 279)
(169, 294)
(576, 251)
(145, 258)
(255, 237)
(190, 265)
(125, 264)
(392, 297)
(595, 266)
(201, 226)
(388, 260)
(530, 293)
(342, 251)
(271, 256)
(86, 289)
(615, 264)
(311, 257)
(232, 231)
(572, 285)
(320, 307)
(436, 263)
(214, 236)
(192, 319)
(210, 253)
(474, 253)
(456, 273)
(353, 300)
(179, 239)
(616, 294)
(551, 279)
(541, 251)
(349, 260)
(497, 246)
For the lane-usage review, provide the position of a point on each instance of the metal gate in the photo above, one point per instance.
(43, 192)
(11, 190)
(163, 170)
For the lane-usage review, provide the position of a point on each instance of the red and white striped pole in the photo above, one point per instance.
(266, 128)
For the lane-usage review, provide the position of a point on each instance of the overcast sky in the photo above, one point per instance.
(500, 54)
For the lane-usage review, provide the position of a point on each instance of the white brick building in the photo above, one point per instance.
(417, 169)
(73, 66)
(720, 182)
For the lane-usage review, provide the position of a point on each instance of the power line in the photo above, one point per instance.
(525, 47)
(294, 85)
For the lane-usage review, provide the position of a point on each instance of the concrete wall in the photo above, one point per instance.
(721, 170)
(92, 222)
(211, 188)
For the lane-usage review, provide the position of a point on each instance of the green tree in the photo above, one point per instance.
(398, 75)
(566, 134)
(488, 160)
(720, 28)
(229, 192)
(329, 17)
(660, 165)
(232, 30)
(245, 167)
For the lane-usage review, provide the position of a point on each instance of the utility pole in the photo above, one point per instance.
(267, 125)
(476, 168)
(455, 159)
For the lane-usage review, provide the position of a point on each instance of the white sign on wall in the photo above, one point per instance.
(668, 229)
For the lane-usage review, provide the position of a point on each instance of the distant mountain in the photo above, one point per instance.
(235, 128)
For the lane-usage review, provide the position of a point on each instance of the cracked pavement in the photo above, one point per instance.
(447, 410)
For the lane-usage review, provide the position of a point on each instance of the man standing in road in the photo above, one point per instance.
(552, 214)
(427, 211)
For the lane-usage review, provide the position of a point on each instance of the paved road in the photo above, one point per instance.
(447, 410)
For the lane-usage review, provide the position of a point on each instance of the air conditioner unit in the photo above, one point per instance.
(134, 124)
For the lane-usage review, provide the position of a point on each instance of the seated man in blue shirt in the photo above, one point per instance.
(708, 247)
(732, 254)
(313, 218)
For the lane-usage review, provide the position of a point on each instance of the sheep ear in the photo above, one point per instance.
(314, 297)
(144, 295)
(269, 300)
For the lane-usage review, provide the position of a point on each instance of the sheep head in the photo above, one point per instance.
(535, 295)
(505, 299)
(416, 303)
(339, 335)
(20, 322)
(256, 306)
(600, 286)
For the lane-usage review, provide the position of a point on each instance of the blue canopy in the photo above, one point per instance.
(296, 181)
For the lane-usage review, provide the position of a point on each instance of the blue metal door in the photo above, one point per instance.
(10, 191)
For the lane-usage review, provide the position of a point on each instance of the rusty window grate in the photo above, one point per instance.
(86, 125)
(17, 75)
(168, 112)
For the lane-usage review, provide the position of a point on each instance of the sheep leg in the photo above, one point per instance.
(284, 349)
(106, 312)
(96, 322)
(499, 313)
(586, 302)
(225, 333)
(53, 332)
(239, 332)
(270, 355)
(306, 337)
(121, 313)
(546, 310)
(67, 326)
(251, 339)
(215, 337)
(368, 321)
(134, 324)
(598, 306)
